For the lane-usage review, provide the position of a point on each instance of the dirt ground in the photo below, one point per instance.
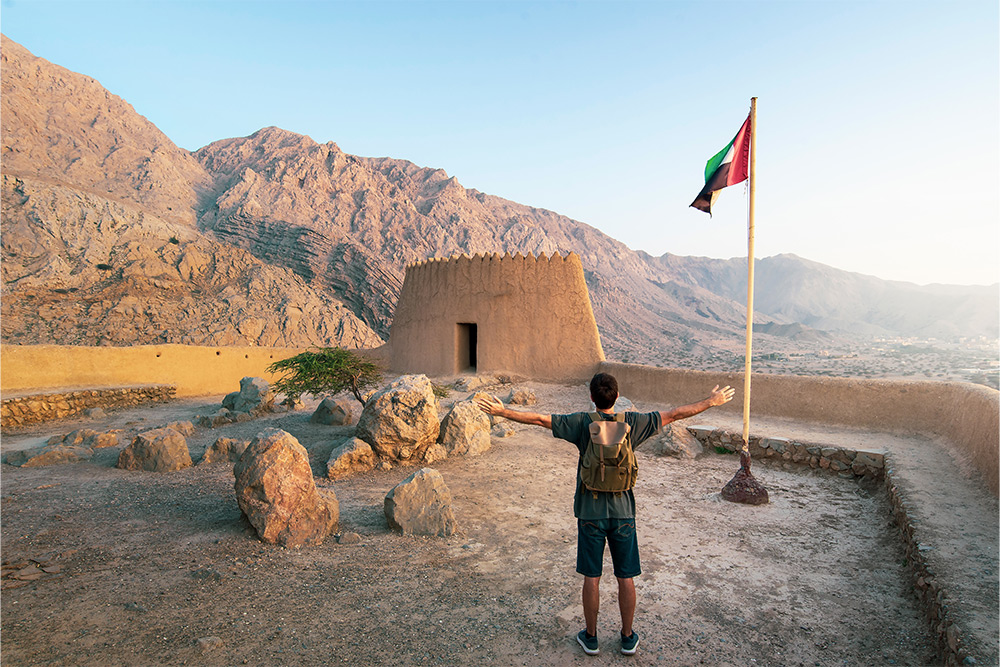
(160, 568)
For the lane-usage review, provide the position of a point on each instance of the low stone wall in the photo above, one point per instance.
(964, 414)
(930, 592)
(848, 462)
(29, 409)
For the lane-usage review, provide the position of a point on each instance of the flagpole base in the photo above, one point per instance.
(743, 487)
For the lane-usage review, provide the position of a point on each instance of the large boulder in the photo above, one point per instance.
(465, 429)
(332, 412)
(254, 397)
(224, 449)
(49, 455)
(674, 440)
(421, 505)
(159, 450)
(353, 456)
(401, 421)
(276, 491)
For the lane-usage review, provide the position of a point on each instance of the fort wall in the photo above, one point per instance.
(966, 415)
(193, 370)
(522, 314)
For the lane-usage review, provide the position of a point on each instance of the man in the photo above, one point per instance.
(605, 517)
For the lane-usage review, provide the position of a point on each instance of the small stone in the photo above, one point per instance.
(349, 538)
(207, 644)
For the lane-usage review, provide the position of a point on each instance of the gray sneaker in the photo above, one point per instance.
(630, 644)
(589, 644)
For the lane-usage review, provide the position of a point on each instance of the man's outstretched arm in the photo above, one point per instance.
(494, 406)
(717, 397)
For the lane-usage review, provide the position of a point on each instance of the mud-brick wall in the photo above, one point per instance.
(35, 408)
(532, 316)
(966, 415)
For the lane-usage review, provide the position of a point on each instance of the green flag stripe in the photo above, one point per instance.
(716, 161)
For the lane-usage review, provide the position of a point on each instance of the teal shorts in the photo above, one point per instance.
(619, 535)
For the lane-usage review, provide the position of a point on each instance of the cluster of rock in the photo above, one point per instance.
(75, 446)
(400, 425)
(36, 408)
(253, 399)
(274, 484)
(19, 572)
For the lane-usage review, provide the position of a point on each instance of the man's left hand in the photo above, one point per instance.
(720, 396)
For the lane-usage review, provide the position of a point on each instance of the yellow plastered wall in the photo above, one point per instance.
(194, 370)
(532, 316)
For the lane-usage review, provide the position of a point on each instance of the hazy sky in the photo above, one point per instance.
(878, 122)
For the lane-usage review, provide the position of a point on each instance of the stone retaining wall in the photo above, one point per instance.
(34, 408)
(849, 462)
(862, 463)
(932, 595)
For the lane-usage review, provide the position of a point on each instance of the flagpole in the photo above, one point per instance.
(750, 239)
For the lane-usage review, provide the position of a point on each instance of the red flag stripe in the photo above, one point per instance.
(739, 169)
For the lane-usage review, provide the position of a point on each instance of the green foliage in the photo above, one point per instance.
(723, 450)
(439, 390)
(325, 370)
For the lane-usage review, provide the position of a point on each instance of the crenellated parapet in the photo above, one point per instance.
(519, 313)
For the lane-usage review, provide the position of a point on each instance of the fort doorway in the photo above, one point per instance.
(466, 352)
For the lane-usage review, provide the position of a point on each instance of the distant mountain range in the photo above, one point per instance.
(112, 235)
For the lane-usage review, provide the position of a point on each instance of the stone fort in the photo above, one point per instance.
(523, 314)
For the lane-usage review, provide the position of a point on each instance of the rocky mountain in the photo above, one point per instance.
(100, 240)
(112, 234)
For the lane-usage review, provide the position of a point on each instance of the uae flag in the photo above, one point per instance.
(727, 167)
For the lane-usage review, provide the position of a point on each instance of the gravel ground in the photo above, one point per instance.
(159, 568)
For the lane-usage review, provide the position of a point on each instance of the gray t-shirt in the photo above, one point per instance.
(575, 428)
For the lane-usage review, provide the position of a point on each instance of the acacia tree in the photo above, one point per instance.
(325, 370)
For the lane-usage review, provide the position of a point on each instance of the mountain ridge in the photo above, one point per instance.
(335, 231)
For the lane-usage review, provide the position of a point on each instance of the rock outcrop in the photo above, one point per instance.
(421, 505)
(352, 457)
(86, 437)
(401, 422)
(332, 412)
(225, 449)
(465, 430)
(52, 454)
(276, 491)
(674, 440)
(254, 397)
(159, 450)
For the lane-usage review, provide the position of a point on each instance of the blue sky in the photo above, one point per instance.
(878, 122)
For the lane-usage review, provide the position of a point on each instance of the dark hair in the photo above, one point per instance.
(603, 390)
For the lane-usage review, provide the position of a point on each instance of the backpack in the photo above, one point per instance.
(608, 463)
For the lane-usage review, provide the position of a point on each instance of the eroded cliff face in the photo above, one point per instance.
(100, 243)
(62, 127)
(81, 270)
